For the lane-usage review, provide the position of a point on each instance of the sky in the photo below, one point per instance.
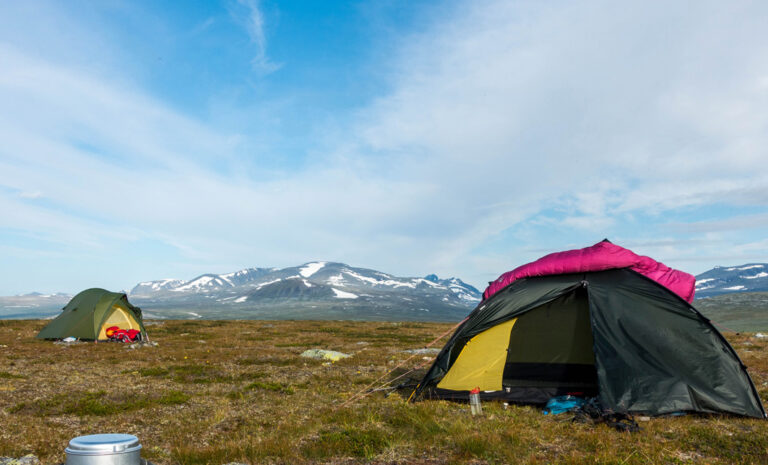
(143, 140)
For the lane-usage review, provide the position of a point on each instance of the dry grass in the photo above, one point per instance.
(216, 392)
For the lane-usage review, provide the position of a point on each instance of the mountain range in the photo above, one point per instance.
(752, 277)
(330, 290)
(325, 290)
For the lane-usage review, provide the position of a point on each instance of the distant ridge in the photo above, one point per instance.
(323, 290)
(751, 277)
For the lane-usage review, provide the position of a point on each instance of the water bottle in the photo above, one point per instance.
(474, 402)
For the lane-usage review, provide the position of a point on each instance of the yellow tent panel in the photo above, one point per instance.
(481, 361)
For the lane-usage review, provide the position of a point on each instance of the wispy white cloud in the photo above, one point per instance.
(732, 223)
(30, 194)
(249, 14)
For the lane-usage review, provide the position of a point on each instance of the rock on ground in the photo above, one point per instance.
(426, 350)
(321, 354)
(26, 460)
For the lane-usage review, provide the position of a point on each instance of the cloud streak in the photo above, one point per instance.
(249, 14)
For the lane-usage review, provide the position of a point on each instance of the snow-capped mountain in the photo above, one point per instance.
(201, 284)
(343, 290)
(752, 277)
(148, 287)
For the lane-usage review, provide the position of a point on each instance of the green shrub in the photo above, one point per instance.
(268, 386)
(153, 371)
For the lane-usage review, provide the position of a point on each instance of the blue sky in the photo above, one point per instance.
(148, 140)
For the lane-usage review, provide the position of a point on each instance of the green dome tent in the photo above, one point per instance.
(584, 322)
(90, 313)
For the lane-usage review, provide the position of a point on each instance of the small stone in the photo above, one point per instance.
(643, 418)
(424, 350)
(28, 459)
(139, 345)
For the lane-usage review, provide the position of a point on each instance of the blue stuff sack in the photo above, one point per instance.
(562, 404)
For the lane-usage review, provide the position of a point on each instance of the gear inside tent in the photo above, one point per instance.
(595, 322)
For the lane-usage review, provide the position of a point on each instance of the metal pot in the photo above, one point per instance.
(104, 449)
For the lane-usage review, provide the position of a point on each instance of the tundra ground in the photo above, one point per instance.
(213, 392)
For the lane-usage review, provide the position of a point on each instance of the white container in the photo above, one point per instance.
(474, 402)
(104, 449)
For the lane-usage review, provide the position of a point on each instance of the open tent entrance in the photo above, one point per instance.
(118, 317)
(544, 352)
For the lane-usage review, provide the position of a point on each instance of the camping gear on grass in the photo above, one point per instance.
(90, 313)
(592, 412)
(115, 334)
(600, 321)
(562, 404)
(104, 449)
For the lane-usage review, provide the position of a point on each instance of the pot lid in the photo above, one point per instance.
(103, 444)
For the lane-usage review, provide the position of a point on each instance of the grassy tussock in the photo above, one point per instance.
(217, 392)
(98, 403)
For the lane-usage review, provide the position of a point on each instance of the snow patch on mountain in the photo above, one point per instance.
(385, 282)
(343, 295)
(202, 283)
(428, 282)
(762, 274)
(336, 280)
(162, 283)
(742, 268)
(260, 285)
(360, 277)
(311, 268)
(236, 274)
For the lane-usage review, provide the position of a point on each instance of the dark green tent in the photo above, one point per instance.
(615, 334)
(90, 312)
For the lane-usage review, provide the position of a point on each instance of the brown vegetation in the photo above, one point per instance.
(216, 392)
